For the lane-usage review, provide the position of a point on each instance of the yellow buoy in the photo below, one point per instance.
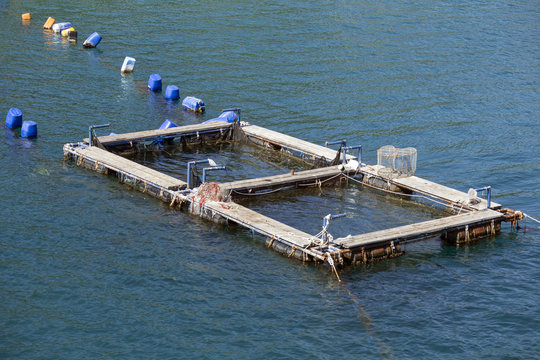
(26, 16)
(49, 23)
(66, 31)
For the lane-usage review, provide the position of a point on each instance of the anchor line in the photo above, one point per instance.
(530, 217)
(402, 194)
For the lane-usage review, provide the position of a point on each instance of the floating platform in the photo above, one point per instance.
(216, 201)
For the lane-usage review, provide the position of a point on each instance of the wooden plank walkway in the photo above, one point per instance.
(419, 230)
(123, 165)
(260, 223)
(300, 177)
(170, 132)
(430, 188)
(282, 140)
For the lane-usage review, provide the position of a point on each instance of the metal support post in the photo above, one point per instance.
(91, 132)
(488, 189)
(211, 169)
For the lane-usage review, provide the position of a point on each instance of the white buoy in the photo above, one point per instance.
(128, 65)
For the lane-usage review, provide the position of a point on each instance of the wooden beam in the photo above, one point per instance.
(170, 132)
(281, 140)
(260, 223)
(289, 179)
(120, 164)
(419, 230)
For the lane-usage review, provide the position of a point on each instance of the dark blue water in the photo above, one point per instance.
(92, 269)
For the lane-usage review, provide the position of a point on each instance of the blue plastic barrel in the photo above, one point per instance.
(154, 82)
(29, 129)
(58, 27)
(14, 118)
(167, 124)
(172, 92)
(92, 41)
(228, 116)
(193, 104)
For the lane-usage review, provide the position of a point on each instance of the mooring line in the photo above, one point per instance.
(385, 350)
(530, 217)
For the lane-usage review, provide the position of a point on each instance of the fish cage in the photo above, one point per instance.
(396, 162)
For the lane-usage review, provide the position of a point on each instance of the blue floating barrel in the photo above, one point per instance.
(29, 129)
(167, 124)
(228, 116)
(172, 92)
(193, 104)
(92, 41)
(14, 118)
(58, 27)
(154, 82)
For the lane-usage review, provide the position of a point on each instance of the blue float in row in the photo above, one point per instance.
(92, 41)
(154, 82)
(58, 27)
(29, 129)
(172, 92)
(193, 104)
(14, 118)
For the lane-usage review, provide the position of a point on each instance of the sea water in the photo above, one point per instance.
(92, 269)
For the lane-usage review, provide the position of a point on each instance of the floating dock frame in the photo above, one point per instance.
(216, 201)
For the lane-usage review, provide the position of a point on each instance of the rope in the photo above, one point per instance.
(319, 182)
(293, 249)
(332, 265)
(258, 193)
(173, 200)
(402, 194)
(530, 217)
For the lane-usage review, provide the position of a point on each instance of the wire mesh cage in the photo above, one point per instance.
(396, 162)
